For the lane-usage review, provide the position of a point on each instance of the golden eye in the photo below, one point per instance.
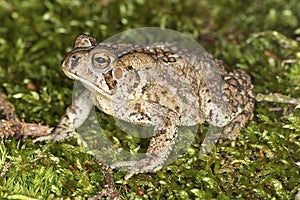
(100, 61)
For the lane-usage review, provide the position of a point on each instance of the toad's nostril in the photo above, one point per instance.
(74, 61)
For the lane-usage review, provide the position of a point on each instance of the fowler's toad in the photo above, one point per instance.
(158, 85)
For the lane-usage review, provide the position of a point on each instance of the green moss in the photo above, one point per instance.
(261, 37)
(53, 170)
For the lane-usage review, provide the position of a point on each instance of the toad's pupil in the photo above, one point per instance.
(100, 60)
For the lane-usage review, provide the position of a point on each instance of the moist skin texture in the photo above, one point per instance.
(157, 85)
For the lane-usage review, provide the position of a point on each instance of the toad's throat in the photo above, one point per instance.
(88, 85)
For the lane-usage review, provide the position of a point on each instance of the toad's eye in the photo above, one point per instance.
(100, 61)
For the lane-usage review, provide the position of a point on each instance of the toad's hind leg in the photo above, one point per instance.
(240, 101)
(241, 96)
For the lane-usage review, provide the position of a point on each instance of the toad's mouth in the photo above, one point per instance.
(92, 87)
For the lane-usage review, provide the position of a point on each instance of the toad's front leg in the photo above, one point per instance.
(73, 118)
(161, 143)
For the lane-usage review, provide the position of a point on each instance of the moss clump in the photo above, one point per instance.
(261, 37)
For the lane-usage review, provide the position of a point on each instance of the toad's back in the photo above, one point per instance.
(189, 82)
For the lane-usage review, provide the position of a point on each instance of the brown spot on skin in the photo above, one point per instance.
(163, 131)
(172, 59)
(243, 93)
(164, 92)
(153, 97)
(227, 92)
(226, 86)
(137, 106)
(144, 88)
(117, 73)
(235, 90)
(165, 59)
(241, 81)
(235, 103)
(137, 60)
(158, 52)
(233, 82)
(111, 83)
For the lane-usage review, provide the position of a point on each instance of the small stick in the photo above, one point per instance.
(277, 98)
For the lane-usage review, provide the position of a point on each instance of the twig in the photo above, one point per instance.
(277, 98)
(13, 126)
(5, 169)
(109, 189)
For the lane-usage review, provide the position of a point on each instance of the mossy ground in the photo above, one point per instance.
(261, 37)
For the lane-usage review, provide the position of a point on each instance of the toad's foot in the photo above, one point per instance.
(160, 147)
(141, 166)
(61, 134)
(73, 118)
